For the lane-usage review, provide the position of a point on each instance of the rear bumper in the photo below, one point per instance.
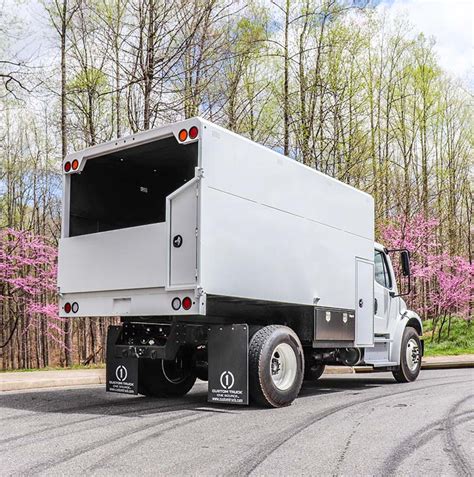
(159, 341)
(140, 302)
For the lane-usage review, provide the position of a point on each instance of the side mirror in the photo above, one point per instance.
(405, 263)
(405, 259)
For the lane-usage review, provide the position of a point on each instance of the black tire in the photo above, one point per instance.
(406, 372)
(313, 371)
(160, 378)
(266, 365)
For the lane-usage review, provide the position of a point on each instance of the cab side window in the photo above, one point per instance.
(382, 274)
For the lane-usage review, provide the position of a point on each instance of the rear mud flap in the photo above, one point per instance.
(228, 364)
(121, 373)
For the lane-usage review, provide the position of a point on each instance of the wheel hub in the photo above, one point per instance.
(276, 366)
(413, 355)
(283, 366)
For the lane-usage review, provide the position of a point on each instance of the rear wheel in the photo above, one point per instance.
(410, 357)
(276, 366)
(161, 378)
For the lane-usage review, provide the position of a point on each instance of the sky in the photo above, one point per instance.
(450, 22)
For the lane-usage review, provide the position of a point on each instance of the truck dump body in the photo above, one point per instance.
(255, 228)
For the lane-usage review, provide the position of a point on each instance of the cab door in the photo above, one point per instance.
(382, 288)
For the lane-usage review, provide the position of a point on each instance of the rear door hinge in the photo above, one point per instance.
(199, 172)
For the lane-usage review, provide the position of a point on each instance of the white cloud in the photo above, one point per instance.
(450, 22)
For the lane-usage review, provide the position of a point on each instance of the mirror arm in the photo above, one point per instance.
(393, 295)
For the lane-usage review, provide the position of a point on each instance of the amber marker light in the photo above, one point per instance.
(183, 135)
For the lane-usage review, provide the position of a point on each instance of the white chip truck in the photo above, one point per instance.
(228, 262)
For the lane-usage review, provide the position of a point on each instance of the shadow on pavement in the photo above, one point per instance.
(94, 400)
(326, 385)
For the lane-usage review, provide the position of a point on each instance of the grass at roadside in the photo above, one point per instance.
(460, 340)
(56, 368)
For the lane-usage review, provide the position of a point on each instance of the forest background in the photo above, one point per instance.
(340, 86)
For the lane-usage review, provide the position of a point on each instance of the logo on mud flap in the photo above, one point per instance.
(227, 380)
(121, 373)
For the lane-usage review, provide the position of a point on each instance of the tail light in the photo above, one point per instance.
(75, 164)
(67, 166)
(67, 307)
(193, 132)
(187, 303)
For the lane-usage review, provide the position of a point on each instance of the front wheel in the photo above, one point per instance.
(276, 366)
(410, 357)
(160, 378)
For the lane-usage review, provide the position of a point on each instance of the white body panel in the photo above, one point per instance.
(129, 258)
(140, 302)
(274, 229)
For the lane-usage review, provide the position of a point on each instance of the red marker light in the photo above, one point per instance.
(67, 307)
(187, 303)
(193, 132)
(67, 166)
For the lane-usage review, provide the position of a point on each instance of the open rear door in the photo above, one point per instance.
(182, 212)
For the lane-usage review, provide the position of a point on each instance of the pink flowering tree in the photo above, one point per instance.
(28, 284)
(443, 284)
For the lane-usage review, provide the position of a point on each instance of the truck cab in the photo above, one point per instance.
(390, 310)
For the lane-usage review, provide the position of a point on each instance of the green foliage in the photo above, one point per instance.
(459, 341)
(88, 80)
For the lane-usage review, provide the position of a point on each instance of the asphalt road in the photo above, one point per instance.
(341, 425)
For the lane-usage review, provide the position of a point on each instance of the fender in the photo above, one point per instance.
(407, 318)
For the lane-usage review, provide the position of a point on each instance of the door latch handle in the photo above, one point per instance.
(361, 303)
(376, 305)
